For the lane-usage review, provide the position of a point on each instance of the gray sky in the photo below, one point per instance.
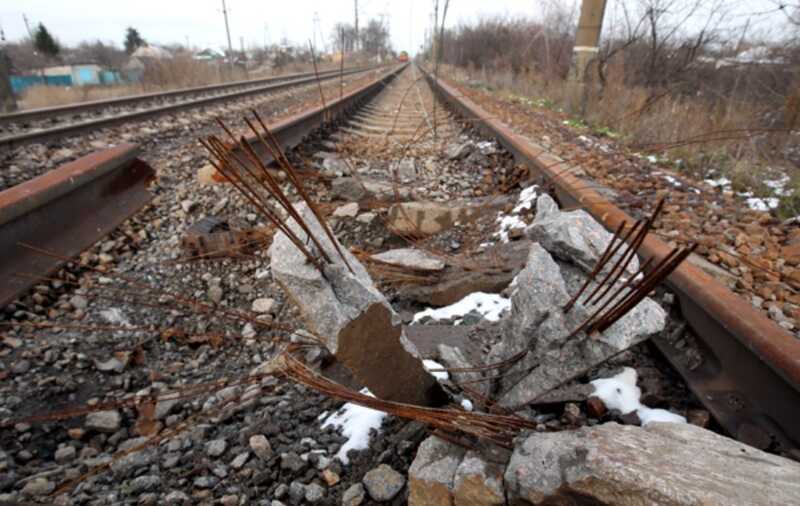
(165, 21)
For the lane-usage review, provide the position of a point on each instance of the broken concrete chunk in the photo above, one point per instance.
(425, 218)
(352, 317)
(432, 473)
(665, 463)
(478, 482)
(572, 236)
(412, 258)
(538, 324)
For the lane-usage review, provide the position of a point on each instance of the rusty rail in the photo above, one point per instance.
(19, 139)
(750, 375)
(67, 210)
(290, 132)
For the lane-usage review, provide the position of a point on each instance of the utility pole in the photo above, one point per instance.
(228, 32)
(587, 42)
(315, 28)
(27, 26)
(355, 43)
(587, 38)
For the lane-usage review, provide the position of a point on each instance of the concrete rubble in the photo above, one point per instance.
(664, 463)
(570, 244)
(352, 317)
(411, 258)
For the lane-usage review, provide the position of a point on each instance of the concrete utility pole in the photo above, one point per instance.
(355, 43)
(587, 41)
(228, 32)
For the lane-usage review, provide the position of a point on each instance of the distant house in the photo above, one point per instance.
(209, 55)
(76, 74)
(80, 74)
(150, 52)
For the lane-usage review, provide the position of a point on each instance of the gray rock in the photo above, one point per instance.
(352, 317)
(348, 188)
(260, 446)
(292, 462)
(79, 302)
(188, 205)
(347, 211)
(104, 421)
(65, 454)
(432, 473)
(332, 165)
(38, 487)
(572, 236)
(478, 482)
(215, 294)
(354, 495)
(143, 484)
(297, 491)
(412, 258)
(314, 493)
(263, 305)
(177, 497)
(459, 151)
(110, 365)
(383, 483)
(664, 463)
(205, 482)
(216, 447)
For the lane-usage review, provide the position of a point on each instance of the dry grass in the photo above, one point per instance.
(175, 73)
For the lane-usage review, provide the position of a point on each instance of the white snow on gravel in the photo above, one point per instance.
(621, 393)
(507, 222)
(489, 305)
(758, 204)
(356, 422)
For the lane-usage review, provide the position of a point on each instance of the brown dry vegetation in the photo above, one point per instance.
(655, 88)
(179, 72)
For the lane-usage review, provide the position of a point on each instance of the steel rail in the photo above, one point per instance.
(749, 378)
(94, 105)
(292, 130)
(15, 140)
(67, 210)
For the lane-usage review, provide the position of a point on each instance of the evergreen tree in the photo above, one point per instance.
(133, 40)
(45, 43)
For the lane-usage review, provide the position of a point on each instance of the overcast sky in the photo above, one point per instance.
(256, 21)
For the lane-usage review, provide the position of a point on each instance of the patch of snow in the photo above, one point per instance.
(766, 204)
(722, 181)
(431, 366)
(652, 159)
(672, 180)
(356, 422)
(526, 199)
(466, 404)
(489, 305)
(511, 221)
(621, 393)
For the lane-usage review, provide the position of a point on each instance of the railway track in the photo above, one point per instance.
(749, 378)
(19, 130)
